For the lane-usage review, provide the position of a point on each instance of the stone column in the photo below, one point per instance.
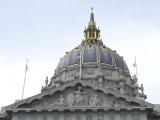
(84, 116)
(40, 116)
(14, 117)
(144, 116)
(94, 116)
(129, 116)
(106, 116)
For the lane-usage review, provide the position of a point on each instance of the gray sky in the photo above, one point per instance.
(43, 31)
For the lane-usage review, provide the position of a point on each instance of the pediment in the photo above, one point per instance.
(78, 95)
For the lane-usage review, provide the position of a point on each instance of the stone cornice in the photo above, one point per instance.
(72, 109)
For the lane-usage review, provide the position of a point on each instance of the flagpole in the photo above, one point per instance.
(24, 79)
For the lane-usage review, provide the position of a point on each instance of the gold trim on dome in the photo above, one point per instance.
(107, 64)
(68, 58)
(113, 58)
(98, 54)
(89, 63)
(69, 66)
(82, 55)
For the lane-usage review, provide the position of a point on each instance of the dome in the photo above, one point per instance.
(92, 62)
(92, 54)
(91, 59)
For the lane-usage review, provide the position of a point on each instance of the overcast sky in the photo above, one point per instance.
(43, 30)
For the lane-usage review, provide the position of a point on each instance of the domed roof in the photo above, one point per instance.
(94, 63)
(92, 51)
(91, 59)
(92, 54)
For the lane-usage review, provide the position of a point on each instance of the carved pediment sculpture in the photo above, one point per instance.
(95, 100)
(61, 101)
(78, 95)
(79, 98)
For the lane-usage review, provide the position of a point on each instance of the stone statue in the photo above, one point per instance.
(46, 82)
(94, 101)
(142, 95)
(62, 101)
(134, 78)
(136, 93)
(116, 103)
(70, 99)
(78, 98)
(142, 88)
(100, 81)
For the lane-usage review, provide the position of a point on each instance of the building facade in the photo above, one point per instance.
(91, 82)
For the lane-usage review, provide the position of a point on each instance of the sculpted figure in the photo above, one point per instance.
(116, 103)
(142, 88)
(61, 101)
(100, 81)
(134, 78)
(46, 82)
(78, 98)
(94, 101)
(136, 92)
(70, 99)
